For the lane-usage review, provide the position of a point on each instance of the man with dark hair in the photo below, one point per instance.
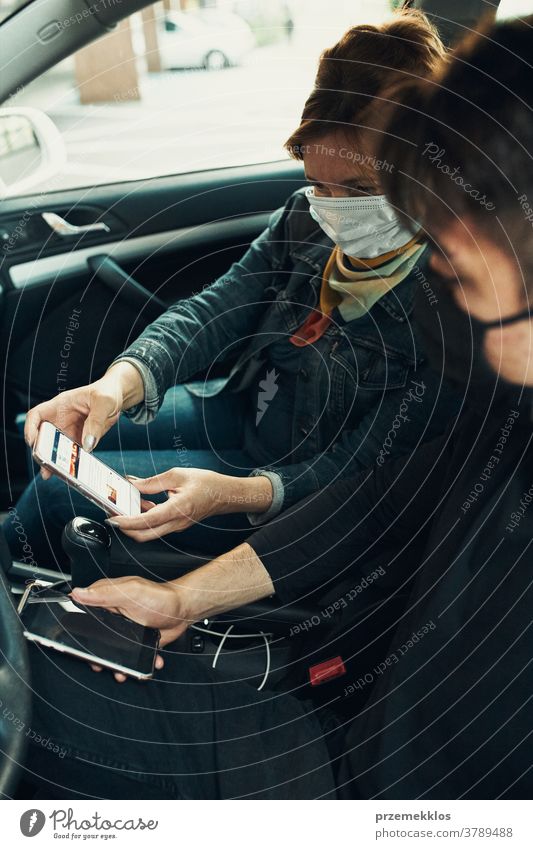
(448, 708)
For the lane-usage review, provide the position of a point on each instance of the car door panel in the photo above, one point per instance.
(173, 235)
(149, 256)
(146, 207)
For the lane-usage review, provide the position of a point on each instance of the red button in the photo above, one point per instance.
(326, 670)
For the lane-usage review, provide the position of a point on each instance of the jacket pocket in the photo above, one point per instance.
(370, 370)
(359, 381)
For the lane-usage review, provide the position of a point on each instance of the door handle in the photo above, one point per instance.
(63, 228)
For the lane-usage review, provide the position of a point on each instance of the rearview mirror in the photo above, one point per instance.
(31, 150)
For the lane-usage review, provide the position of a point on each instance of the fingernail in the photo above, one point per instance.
(89, 442)
(82, 590)
(112, 522)
(133, 478)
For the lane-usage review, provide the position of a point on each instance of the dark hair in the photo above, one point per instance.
(365, 61)
(463, 140)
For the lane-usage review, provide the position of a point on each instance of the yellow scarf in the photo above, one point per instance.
(355, 292)
(355, 289)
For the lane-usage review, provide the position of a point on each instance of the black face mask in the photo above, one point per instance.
(453, 341)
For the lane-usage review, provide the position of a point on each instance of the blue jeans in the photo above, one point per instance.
(204, 433)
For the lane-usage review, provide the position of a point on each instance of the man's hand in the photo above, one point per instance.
(233, 579)
(193, 495)
(146, 602)
(87, 413)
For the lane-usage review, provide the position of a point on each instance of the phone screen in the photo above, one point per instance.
(112, 490)
(92, 634)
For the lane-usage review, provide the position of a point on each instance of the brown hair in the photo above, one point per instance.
(366, 61)
(464, 140)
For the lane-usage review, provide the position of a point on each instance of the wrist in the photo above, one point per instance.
(131, 383)
(186, 603)
(226, 583)
(190, 603)
(244, 495)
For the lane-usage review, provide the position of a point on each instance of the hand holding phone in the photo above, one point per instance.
(106, 639)
(163, 606)
(55, 451)
(88, 412)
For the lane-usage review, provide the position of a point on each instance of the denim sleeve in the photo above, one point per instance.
(211, 325)
(147, 411)
(406, 417)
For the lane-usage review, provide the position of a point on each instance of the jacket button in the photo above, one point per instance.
(304, 374)
(304, 431)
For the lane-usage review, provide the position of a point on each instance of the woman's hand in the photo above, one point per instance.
(193, 495)
(87, 413)
(153, 605)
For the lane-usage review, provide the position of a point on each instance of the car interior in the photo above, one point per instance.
(122, 253)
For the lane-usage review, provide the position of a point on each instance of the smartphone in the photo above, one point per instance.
(59, 454)
(49, 617)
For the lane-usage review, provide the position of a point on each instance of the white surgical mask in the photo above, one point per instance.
(364, 227)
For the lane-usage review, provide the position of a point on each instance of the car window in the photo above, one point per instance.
(170, 91)
(7, 7)
(515, 8)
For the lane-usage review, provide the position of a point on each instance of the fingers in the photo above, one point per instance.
(160, 483)
(120, 677)
(109, 593)
(158, 515)
(102, 414)
(160, 531)
(64, 414)
(34, 417)
(147, 505)
(159, 662)
(170, 635)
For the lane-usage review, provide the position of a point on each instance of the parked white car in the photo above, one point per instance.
(190, 41)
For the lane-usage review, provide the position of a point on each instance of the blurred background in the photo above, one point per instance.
(188, 85)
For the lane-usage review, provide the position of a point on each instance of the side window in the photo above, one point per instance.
(515, 9)
(189, 85)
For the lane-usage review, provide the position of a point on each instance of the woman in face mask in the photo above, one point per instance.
(324, 373)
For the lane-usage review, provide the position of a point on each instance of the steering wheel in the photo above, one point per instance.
(15, 699)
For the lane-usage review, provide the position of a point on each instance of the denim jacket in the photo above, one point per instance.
(382, 396)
